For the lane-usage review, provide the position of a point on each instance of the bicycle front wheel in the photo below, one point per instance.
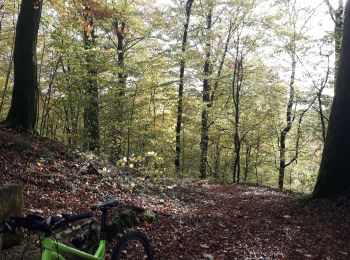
(127, 239)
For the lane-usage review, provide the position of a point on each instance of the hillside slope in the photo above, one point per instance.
(194, 219)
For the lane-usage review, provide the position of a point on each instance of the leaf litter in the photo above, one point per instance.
(194, 219)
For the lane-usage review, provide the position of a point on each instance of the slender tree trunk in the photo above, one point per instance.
(91, 111)
(337, 16)
(10, 63)
(181, 88)
(236, 85)
(257, 160)
(205, 100)
(289, 120)
(23, 110)
(2, 4)
(46, 102)
(217, 156)
(322, 116)
(338, 31)
(131, 118)
(334, 175)
(71, 112)
(120, 30)
(7, 81)
(248, 153)
(222, 61)
(122, 76)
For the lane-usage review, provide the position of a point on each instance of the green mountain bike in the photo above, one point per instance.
(53, 250)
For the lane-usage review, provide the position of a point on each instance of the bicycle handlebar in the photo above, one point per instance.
(39, 223)
(81, 216)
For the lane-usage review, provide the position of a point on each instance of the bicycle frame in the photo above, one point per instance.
(52, 250)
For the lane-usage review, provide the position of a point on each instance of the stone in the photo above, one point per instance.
(11, 203)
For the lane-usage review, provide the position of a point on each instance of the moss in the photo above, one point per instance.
(46, 155)
(126, 217)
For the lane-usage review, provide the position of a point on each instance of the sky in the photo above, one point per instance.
(318, 27)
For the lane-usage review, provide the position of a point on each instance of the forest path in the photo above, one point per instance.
(246, 222)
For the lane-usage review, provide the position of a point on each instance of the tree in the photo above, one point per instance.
(291, 40)
(120, 30)
(23, 110)
(334, 176)
(91, 112)
(181, 87)
(337, 16)
(206, 97)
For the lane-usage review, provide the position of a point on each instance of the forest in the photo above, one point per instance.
(236, 91)
(178, 93)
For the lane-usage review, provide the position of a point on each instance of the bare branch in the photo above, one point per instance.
(331, 10)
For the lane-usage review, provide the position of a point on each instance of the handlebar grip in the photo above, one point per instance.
(85, 215)
(107, 204)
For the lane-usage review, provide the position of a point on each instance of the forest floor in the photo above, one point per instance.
(194, 219)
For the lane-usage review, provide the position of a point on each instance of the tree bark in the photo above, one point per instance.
(337, 16)
(91, 111)
(120, 30)
(248, 153)
(338, 31)
(131, 118)
(334, 174)
(289, 120)
(181, 88)
(216, 159)
(236, 95)
(257, 160)
(206, 100)
(23, 110)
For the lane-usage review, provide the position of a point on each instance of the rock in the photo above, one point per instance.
(126, 216)
(84, 237)
(11, 203)
(208, 256)
(88, 169)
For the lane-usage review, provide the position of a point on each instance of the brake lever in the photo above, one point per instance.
(60, 223)
(9, 228)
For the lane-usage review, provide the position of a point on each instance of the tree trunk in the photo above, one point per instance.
(181, 88)
(236, 96)
(338, 31)
(7, 81)
(46, 101)
(334, 174)
(216, 160)
(23, 110)
(257, 160)
(337, 16)
(248, 153)
(120, 30)
(91, 111)
(289, 119)
(323, 118)
(205, 100)
(131, 118)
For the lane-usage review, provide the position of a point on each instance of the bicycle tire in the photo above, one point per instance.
(129, 236)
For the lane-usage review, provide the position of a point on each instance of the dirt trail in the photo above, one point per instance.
(245, 222)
